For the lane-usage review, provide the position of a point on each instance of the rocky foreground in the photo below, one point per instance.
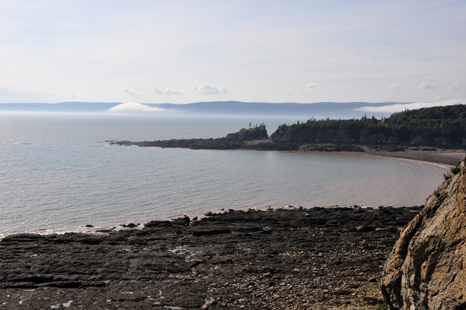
(290, 258)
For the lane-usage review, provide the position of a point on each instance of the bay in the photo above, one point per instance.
(58, 174)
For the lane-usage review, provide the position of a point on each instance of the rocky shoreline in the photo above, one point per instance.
(289, 258)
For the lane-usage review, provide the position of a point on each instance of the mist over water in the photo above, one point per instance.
(58, 174)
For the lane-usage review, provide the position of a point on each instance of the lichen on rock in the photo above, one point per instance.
(427, 267)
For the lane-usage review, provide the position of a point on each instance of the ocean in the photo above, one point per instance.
(58, 174)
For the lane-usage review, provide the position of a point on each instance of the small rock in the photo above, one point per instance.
(364, 228)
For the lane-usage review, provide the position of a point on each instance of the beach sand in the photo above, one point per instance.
(448, 157)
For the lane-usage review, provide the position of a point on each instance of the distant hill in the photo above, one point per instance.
(429, 126)
(59, 107)
(317, 110)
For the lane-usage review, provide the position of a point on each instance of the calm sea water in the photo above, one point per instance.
(58, 174)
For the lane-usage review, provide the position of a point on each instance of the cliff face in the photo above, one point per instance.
(427, 267)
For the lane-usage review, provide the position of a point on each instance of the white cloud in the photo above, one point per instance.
(135, 107)
(454, 86)
(410, 106)
(312, 86)
(438, 98)
(427, 86)
(394, 87)
(166, 91)
(207, 89)
(288, 93)
(127, 91)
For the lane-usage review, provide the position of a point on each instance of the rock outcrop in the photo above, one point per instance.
(253, 133)
(427, 267)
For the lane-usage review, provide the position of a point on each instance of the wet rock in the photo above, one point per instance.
(309, 258)
(130, 225)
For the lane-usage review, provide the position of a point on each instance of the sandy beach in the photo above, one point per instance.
(448, 157)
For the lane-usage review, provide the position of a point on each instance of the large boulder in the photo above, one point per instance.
(427, 267)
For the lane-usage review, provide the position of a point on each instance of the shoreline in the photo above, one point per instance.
(447, 156)
(436, 159)
(445, 159)
(293, 257)
(301, 258)
(138, 223)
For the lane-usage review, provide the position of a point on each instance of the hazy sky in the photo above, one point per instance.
(274, 51)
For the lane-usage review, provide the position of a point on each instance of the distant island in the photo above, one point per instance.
(425, 130)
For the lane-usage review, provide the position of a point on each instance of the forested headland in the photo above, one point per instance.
(444, 125)
(409, 134)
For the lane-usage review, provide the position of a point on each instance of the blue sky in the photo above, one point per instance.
(274, 51)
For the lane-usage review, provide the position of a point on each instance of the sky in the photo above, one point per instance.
(255, 51)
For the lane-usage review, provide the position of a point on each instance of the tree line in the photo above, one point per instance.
(431, 124)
